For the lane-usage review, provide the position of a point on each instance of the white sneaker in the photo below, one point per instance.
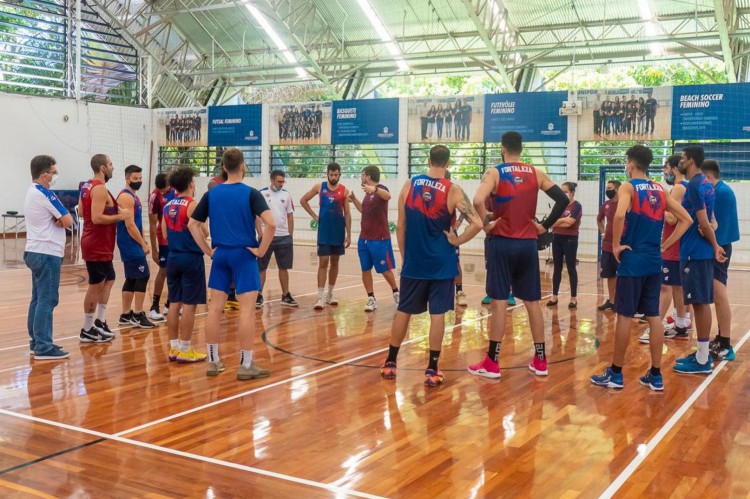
(396, 296)
(330, 300)
(165, 311)
(461, 299)
(320, 304)
(372, 304)
(644, 338)
(154, 315)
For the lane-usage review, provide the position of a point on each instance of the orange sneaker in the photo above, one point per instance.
(388, 370)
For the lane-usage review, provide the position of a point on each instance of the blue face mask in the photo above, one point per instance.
(669, 179)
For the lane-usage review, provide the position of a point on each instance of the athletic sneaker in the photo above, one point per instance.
(388, 370)
(154, 315)
(679, 333)
(173, 353)
(718, 352)
(371, 305)
(190, 356)
(126, 319)
(608, 379)
(252, 372)
(538, 367)
(396, 296)
(140, 320)
(607, 305)
(488, 368)
(653, 381)
(461, 299)
(685, 359)
(640, 317)
(288, 301)
(690, 365)
(52, 354)
(645, 337)
(165, 310)
(331, 300)
(103, 327)
(320, 304)
(668, 334)
(259, 301)
(671, 320)
(214, 368)
(31, 348)
(93, 335)
(511, 300)
(433, 378)
(486, 300)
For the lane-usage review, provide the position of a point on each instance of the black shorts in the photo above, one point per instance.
(721, 270)
(137, 269)
(186, 279)
(638, 295)
(283, 248)
(419, 294)
(100, 271)
(513, 264)
(163, 256)
(609, 265)
(331, 249)
(697, 281)
(670, 273)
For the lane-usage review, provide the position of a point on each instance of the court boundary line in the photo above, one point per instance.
(190, 455)
(651, 445)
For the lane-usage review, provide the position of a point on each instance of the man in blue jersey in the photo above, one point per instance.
(698, 250)
(727, 232)
(426, 207)
(133, 251)
(232, 208)
(334, 230)
(636, 243)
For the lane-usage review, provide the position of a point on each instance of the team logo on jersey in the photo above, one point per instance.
(687, 271)
(518, 180)
(427, 196)
(141, 268)
(665, 270)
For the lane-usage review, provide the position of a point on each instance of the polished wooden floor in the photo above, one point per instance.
(120, 420)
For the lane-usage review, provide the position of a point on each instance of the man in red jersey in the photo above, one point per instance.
(100, 216)
(512, 256)
(608, 262)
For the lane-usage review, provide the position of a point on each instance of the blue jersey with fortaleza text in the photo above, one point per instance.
(699, 196)
(643, 227)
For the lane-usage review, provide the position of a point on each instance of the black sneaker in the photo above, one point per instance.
(607, 305)
(140, 320)
(93, 335)
(680, 334)
(126, 319)
(288, 301)
(259, 301)
(104, 328)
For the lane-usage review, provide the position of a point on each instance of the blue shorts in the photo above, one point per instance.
(186, 279)
(378, 254)
(670, 273)
(721, 270)
(136, 269)
(513, 263)
(638, 295)
(418, 294)
(697, 281)
(609, 265)
(330, 249)
(163, 255)
(234, 265)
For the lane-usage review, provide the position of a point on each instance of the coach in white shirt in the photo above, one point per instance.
(282, 208)
(46, 221)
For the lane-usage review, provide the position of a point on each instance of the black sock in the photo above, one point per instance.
(459, 287)
(371, 295)
(724, 341)
(434, 356)
(395, 290)
(539, 351)
(494, 351)
(155, 303)
(167, 303)
(392, 353)
(656, 371)
(616, 369)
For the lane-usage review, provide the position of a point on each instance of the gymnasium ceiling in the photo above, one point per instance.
(205, 51)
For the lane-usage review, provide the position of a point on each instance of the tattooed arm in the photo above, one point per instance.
(459, 200)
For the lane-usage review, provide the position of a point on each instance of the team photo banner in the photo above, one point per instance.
(369, 121)
(235, 125)
(301, 123)
(711, 111)
(446, 119)
(182, 127)
(534, 115)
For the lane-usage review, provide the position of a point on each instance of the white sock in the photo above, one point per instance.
(680, 322)
(702, 354)
(174, 344)
(184, 346)
(687, 316)
(213, 352)
(330, 290)
(246, 358)
(101, 312)
(321, 293)
(88, 321)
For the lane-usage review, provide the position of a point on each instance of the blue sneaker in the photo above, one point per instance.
(692, 366)
(687, 359)
(653, 381)
(486, 300)
(511, 300)
(52, 354)
(609, 379)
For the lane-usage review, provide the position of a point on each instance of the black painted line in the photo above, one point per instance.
(50, 456)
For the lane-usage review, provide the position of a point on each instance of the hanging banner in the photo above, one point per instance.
(711, 111)
(235, 125)
(535, 115)
(301, 123)
(182, 127)
(626, 114)
(368, 121)
(446, 119)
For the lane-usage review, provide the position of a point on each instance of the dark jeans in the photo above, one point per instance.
(45, 293)
(565, 248)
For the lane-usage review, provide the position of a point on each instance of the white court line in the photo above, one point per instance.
(190, 455)
(651, 445)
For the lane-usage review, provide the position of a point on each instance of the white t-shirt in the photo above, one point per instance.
(42, 208)
(280, 203)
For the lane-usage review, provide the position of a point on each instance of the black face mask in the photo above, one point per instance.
(135, 185)
(610, 193)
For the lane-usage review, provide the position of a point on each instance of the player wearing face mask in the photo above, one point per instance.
(608, 261)
(133, 250)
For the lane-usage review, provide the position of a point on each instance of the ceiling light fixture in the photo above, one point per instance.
(276, 39)
(383, 33)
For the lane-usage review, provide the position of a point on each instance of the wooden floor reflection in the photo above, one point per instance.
(121, 420)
